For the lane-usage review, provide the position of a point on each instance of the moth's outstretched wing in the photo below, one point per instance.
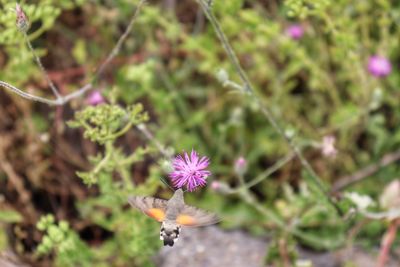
(152, 207)
(193, 217)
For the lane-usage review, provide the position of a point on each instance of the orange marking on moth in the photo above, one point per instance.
(157, 214)
(185, 220)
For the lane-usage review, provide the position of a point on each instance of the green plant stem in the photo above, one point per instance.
(121, 132)
(126, 177)
(181, 108)
(134, 157)
(249, 89)
(108, 149)
(262, 176)
(142, 127)
(319, 242)
(245, 195)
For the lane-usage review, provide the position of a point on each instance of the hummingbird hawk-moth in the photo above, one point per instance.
(173, 214)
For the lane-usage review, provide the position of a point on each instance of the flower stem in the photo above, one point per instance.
(261, 177)
(318, 242)
(387, 242)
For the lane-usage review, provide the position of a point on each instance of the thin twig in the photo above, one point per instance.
(270, 170)
(249, 89)
(62, 100)
(28, 96)
(283, 252)
(121, 40)
(41, 67)
(142, 127)
(265, 174)
(348, 180)
(387, 242)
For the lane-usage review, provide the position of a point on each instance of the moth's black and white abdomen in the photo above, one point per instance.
(169, 233)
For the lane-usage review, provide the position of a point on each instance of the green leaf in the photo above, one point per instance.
(10, 216)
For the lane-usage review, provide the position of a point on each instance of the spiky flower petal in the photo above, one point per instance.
(189, 171)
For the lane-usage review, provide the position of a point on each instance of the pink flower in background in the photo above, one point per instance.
(95, 98)
(295, 31)
(189, 171)
(379, 66)
(328, 146)
(221, 187)
(215, 185)
(240, 165)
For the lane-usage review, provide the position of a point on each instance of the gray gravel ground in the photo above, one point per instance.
(210, 247)
(213, 247)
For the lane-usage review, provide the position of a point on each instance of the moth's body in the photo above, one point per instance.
(170, 229)
(172, 213)
(175, 206)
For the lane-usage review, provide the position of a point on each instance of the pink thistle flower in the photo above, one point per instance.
(328, 146)
(95, 98)
(189, 171)
(295, 31)
(379, 66)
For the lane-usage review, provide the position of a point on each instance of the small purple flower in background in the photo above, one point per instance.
(189, 171)
(295, 31)
(221, 187)
(328, 146)
(379, 66)
(95, 98)
(240, 166)
(215, 185)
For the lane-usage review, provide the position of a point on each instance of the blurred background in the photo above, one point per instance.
(326, 71)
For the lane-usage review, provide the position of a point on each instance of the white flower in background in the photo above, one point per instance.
(390, 198)
(361, 201)
(328, 146)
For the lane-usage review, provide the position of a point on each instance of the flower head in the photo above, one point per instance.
(221, 187)
(22, 20)
(379, 66)
(328, 146)
(361, 201)
(295, 31)
(240, 165)
(189, 171)
(95, 98)
(215, 185)
(390, 198)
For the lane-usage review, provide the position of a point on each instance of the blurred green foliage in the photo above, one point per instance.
(42, 16)
(70, 250)
(133, 236)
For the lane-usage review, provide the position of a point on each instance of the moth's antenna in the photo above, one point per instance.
(166, 183)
